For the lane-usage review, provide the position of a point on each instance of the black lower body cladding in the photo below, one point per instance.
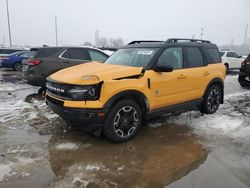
(89, 118)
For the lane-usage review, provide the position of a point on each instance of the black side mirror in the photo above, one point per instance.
(240, 56)
(163, 68)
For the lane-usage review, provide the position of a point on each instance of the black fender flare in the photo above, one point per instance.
(135, 94)
(216, 81)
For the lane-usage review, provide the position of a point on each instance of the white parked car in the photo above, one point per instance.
(231, 59)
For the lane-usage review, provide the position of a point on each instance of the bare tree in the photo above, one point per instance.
(116, 42)
(102, 41)
(87, 43)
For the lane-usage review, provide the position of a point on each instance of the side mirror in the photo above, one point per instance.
(240, 56)
(163, 68)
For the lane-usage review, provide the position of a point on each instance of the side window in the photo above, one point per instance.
(232, 54)
(76, 53)
(213, 56)
(222, 53)
(173, 57)
(194, 57)
(97, 56)
(46, 52)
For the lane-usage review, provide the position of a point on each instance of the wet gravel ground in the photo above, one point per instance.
(38, 149)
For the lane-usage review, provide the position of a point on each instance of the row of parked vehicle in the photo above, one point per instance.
(116, 95)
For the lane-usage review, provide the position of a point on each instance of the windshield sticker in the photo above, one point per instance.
(145, 52)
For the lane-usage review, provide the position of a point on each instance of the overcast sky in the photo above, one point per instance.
(32, 21)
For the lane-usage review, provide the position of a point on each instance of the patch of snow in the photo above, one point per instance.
(120, 168)
(79, 180)
(16, 150)
(25, 160)
(67, 146)
(5, 170)
(92, 167)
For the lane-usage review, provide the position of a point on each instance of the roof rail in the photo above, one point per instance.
(173, 40)
(143, 41)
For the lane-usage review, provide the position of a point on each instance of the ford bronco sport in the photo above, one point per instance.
(142, 80)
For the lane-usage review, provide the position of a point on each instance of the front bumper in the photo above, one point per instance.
(90, 119)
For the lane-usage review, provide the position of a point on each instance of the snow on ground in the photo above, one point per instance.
(231, 120)
(67, 146)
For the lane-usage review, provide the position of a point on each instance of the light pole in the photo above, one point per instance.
(56, 30)
(202, 30)
(8, 17)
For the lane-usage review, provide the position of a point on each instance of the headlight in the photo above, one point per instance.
(84, 92)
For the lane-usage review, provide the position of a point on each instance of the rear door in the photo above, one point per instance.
(74, 56)
(196, 72)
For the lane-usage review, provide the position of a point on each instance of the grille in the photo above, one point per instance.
(54, 101)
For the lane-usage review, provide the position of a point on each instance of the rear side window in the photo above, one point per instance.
(194, 57)
(222, 53)
(46, 52)
(76, 53)
(97, 56)
(213, 56)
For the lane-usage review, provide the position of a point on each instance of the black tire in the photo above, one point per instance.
(18, 66)
(42, 91)
(123, 121)
(227, 66)
(212, 100)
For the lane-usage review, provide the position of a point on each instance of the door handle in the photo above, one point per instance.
(206, 73)
(181, 76)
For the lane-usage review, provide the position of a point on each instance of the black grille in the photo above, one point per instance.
(54, 101)
(59, 89)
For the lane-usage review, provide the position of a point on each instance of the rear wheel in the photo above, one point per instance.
(123, 121)
(18, 66)
(212, 100)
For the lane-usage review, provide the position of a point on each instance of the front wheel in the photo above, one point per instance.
(123, 121)
(212, 100)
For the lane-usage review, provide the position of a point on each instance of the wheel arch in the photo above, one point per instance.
(219, 82)
(135, 95)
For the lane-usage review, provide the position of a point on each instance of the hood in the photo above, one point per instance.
(94, 72)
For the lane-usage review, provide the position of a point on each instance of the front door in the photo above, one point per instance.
(169, 88)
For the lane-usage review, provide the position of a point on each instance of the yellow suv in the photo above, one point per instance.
(142, 80)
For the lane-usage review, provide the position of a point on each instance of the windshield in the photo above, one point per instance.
(222, 53)
(134, 57)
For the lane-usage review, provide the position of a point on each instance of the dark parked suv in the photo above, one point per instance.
(48, 60)
(244, 75)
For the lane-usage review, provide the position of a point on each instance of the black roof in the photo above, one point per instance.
(170, 42)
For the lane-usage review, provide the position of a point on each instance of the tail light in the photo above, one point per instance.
(3, 58)
(33, 62)
(245, 63)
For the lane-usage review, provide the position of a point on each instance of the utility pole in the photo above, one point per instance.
(245, 39)
(3, 40)
(202, 30)
(8, 17)
(56, 30)
(232, 43)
